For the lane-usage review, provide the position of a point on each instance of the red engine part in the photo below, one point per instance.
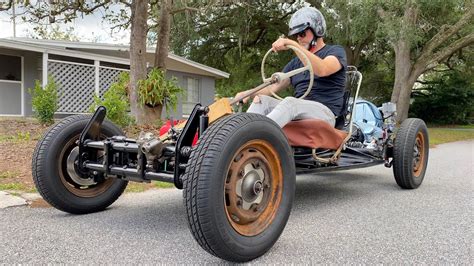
(166, 127)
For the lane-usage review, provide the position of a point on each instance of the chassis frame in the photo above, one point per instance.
(124, 159)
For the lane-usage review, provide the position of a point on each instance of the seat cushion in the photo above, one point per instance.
(313, 133)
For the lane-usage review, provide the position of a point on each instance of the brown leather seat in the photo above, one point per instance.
(313, 133)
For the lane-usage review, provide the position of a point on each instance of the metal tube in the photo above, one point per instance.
(125, 146)
(94, 144)
(128, 172)
(160, 177)
(118, 146)
(203, 124)
(95, 166)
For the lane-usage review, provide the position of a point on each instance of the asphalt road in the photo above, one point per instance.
(358, 217)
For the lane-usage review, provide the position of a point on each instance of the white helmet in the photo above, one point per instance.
(308, 17)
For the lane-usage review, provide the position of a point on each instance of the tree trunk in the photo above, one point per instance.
(353, 54)
(139, 28)
(162, 45)
(402, 68)
(151, 115)
(403, 102)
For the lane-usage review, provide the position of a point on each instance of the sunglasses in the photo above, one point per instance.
(301, 34)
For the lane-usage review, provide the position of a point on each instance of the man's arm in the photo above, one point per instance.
(266, 91)
(321, 67)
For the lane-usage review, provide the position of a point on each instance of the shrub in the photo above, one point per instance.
(116, 102)
(158, 90)
(44, 101)
(447, 99)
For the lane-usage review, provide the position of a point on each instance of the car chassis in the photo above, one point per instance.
(238, 181)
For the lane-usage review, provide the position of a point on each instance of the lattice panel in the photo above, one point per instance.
(76, 86)
(107, 76)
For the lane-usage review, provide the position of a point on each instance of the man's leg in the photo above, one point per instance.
(265, 106)
(291, 109)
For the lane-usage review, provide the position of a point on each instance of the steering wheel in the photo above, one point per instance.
(280, 76)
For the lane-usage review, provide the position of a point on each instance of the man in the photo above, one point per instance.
(325, 99)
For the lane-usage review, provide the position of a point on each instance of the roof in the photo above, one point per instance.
(107, 52)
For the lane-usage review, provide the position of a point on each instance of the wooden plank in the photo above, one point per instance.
(217, 110)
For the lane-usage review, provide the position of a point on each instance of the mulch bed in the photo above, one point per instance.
(18, 138)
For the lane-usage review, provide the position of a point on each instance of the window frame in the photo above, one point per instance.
(186, 99)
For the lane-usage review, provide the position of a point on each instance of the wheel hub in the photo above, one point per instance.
(250, 187)
(253, 188)
(418, 151)
(71, 166)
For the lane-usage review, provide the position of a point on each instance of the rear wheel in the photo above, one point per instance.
(411, 150)
(239, 187)
(54, 169)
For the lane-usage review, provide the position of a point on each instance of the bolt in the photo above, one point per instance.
(95, 173)
(235, 218)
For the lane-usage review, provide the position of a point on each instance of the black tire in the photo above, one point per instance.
(50, 171)
(235, 146)
(410, 155)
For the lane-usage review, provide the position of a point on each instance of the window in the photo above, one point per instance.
(10, 68)
(192, 96)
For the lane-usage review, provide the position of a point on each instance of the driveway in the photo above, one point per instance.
(357, 216)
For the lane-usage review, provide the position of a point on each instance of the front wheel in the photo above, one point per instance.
(55, 175)
(239, 187)
(410, 155)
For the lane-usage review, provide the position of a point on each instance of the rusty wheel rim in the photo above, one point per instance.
(253, 188)
(79, 190)
(419, 154)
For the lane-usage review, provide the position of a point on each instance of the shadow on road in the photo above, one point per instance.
(167, 213)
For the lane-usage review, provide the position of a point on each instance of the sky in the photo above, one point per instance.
(90, 28)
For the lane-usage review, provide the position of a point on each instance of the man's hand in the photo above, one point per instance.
(256, 99)
(240, 94)
(281, 44)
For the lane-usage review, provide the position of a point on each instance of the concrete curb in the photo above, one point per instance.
(8, 200)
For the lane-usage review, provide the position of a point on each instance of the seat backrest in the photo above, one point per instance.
(352, 80)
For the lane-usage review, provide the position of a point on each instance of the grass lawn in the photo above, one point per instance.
(140, 187)
(443, 135)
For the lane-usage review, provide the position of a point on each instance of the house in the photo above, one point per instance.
(84, 69)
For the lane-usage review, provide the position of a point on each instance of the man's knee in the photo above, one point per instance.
(289, 102)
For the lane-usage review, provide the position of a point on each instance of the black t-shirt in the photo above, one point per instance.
(326, 90)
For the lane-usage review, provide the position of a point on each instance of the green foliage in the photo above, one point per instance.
(54, 32)
(116, 102)
(44, 100)
(234, 38)
(159, 90)
(446, 98)
(431, 17)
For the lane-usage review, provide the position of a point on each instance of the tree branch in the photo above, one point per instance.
(451, 49)
(172, 12)
(445, 33)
